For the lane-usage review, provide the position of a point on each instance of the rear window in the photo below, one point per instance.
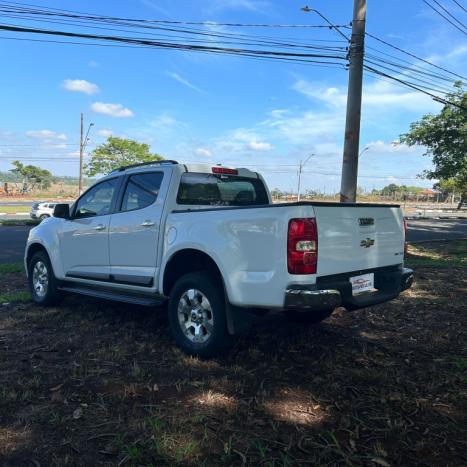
(221, 190)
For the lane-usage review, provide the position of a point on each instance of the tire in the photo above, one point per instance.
(42, 281)
(309, 317)
(197, 315)
(43, 216)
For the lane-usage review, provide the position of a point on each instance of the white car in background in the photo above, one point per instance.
(42, 210)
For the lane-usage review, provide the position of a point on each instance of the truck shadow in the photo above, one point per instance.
(94, 382)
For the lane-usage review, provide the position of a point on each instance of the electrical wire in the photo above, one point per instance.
(413, 86)
(459, 5)
(414, 56)
(445, 17)
(450, 14)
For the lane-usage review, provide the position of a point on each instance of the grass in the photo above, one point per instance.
(14, 209)
(451, 254)
(11, 267)
(15, 297)
(16, 222)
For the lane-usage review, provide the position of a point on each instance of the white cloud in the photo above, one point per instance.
(80, 85)
(260, 146)
(113, 110)
(46, 134)
(203, 152)
(105, 132)
(377, 95)
(163, 122)
(183, 81)
(74, 153)
(244, 140)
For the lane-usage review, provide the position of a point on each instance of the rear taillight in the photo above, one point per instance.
(224, 170)
(406, 245)
(302, 246)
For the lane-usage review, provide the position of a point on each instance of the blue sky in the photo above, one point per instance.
(205, 108)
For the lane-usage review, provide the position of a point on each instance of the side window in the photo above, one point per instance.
(141, 190)
(97, 201)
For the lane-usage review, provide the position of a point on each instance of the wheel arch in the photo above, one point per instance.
(185, 261)
(32, 249)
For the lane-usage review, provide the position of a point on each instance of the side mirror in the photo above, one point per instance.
(62, 211)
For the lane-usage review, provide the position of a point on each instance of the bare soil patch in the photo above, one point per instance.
(99, 383)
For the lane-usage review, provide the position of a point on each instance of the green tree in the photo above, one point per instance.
(32, 176)
(390, 189)
(118, 152)
(447, 186)
(445, 138)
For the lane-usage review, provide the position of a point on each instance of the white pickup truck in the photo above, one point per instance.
(210, 241)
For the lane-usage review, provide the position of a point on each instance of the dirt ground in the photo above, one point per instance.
(93, 383)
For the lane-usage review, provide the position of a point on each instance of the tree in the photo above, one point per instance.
(32, 176)
(445, 137)
(390, 189)
(118, 152)
(447, 186)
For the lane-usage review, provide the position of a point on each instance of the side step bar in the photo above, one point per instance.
(115, 295)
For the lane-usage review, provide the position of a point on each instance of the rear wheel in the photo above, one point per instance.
(42, 281)
(197, 315)
(310, 317)
(43, 216)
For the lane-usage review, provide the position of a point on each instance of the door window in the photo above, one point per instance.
(97, 201)
(141, 190)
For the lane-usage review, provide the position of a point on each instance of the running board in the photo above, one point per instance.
(115, 295)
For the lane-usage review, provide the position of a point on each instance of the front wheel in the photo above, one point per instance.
(44, 216)
(197, 315)
(42, 281)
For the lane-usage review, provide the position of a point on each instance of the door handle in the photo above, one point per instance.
(148, 223)
(100, 227)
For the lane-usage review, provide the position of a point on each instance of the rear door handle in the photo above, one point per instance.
(148, 223)
(100, 227)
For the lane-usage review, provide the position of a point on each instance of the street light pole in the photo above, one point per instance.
(302, 164)
(82, 146)
(81, 150)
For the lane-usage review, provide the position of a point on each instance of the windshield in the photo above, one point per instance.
(221, 190)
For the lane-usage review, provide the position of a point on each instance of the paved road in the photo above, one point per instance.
(13, 239)
(12, 242)
(436, 229)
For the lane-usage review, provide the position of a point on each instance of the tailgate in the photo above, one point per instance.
(357, 238)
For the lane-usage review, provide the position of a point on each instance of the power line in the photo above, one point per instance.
(459, 5)
(22, 6)
(431, 85)
(445, 17)
(413, 86)
(309, 57)
(449, 13)
(414, 56)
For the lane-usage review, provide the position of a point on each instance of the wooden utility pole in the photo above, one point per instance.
(81, 154)
(354, 105)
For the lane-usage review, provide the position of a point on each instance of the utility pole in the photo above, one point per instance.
(302, 164)
(82, 146)
(354, 105)
(81, 151)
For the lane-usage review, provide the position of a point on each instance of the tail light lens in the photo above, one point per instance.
(302, 246)
(406, 245)
(224, 170)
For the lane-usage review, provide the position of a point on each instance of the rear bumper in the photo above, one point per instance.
(333, 291)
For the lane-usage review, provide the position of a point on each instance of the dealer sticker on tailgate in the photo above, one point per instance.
(363, 283)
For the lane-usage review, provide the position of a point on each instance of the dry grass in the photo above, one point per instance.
(96, 383)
